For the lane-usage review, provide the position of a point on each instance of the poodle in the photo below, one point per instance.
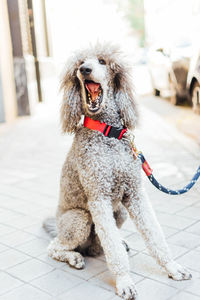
(101, 180)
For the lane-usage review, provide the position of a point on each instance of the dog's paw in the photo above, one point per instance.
(177, 272)
(76, 260)
(125, 288)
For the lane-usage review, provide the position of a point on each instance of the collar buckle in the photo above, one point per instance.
(116, 132)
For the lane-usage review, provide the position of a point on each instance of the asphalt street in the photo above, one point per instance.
(181, 117)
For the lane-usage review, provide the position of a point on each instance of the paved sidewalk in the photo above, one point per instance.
(31, 156)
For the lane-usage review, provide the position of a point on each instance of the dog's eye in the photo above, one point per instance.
(82, 62)
(102, 61)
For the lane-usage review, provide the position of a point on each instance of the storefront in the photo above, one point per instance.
(20, 74)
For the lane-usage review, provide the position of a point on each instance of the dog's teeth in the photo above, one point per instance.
(93, 105)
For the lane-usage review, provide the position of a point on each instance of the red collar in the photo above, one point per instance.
(107, 130)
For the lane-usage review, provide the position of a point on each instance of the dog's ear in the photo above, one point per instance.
(124, 94)
(71, 109)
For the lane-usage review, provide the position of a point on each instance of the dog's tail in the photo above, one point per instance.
(49, 225)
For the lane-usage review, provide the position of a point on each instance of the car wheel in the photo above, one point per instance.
(156, 92)
(196, 97)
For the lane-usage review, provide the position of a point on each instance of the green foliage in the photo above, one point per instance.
(135, 16)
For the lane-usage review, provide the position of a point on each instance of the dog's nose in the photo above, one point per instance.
(85, 70)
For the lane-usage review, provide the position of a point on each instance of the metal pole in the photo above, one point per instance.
(45, 27)
(32, 30)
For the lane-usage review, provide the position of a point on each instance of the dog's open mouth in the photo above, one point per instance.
(94, 95)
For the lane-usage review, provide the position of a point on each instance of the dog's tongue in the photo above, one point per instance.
(93, 89)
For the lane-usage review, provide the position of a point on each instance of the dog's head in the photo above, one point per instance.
(93, 76)
(97, 83)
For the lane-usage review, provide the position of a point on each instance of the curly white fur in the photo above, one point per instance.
(100, 178)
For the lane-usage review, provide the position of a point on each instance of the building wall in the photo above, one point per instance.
(6, 66)
(40, 26)
(2, 117)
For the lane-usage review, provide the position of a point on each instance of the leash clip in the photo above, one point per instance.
(131, 138)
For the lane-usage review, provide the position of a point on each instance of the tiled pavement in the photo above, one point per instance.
(31, 155)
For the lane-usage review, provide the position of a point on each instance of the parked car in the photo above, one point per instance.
(169, 70)
(193, 81)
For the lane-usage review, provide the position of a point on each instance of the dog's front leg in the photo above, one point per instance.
(141, 212)
(115, 253)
